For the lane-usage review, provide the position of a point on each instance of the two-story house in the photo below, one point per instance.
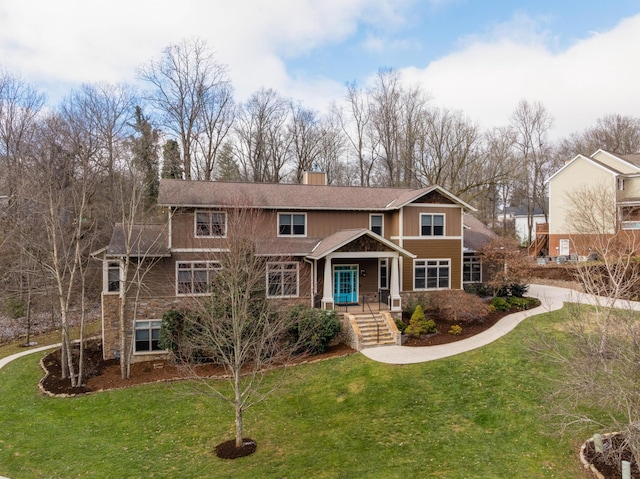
(329, 247)
(595, 196)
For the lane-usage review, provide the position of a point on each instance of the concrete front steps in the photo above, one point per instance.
(365, 328)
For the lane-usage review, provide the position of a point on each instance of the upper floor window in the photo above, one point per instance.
(210, 224)
(113, 275)
(472, 269)
(282, 280)
(292, 224)
(431, 224)
(431, 274)
(375, 224)
(194, 277)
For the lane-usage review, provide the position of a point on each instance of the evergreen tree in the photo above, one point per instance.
(144, 146)
(228, 169)
(171, 162)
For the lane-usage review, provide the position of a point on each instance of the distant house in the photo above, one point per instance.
(330, 247)
(520, 217)
(605, 186)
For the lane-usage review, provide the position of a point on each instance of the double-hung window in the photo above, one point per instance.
(431, 225)
(147, 336)
(472, 269)
(211, 224)
(194, 277)
(375, 224)
(292, 224)
(282, 280)
(113, 275)
(431, 274)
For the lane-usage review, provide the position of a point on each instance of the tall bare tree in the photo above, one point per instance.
(619, 134)
(191, 93)
(238, 326)
(531, 123)
(263, 142)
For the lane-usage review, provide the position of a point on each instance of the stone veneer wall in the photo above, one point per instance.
(147, 308)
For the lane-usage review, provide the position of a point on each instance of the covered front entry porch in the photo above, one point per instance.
(356, 269)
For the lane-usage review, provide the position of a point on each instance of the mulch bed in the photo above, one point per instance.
(610, 468)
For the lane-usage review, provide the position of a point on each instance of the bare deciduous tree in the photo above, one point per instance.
(237, 326)
(191, 94)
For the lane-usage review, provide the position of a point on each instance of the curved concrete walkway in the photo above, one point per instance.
(8, 359)
(551, 298)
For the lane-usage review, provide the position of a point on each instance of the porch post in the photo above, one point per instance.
(394, 284)
(327, 288)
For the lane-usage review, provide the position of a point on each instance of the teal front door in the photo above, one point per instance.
(345, 284)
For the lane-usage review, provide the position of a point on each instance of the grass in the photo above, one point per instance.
(53, 337)
(476, 415)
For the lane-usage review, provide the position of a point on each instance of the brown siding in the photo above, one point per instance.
(453, 219)
(433, 249)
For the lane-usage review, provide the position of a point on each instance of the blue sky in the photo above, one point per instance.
(579, 58)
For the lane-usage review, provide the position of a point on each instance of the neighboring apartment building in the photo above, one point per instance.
(327, 246)
(594, 197)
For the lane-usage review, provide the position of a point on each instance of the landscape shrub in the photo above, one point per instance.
(500, 304)
(522, 303)
(401, 325)
(418, 325)
(455, 330)
(312, 330)
(458, 306)
(513, 289)
(411, 301)
(479, 289)
(174, 332)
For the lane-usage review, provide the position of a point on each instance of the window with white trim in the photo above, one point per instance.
(431, 274)
(211, 224)
(282, 280)
(383, 274)
(431, 224)
(147, 336)
(194, 277)
(376, 224)
(292, 224)
(113, 277)
(472, 269)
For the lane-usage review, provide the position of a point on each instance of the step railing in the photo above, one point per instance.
(373, 316)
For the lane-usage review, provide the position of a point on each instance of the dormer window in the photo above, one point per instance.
(292, 224)
(431, 225)
(211, 224)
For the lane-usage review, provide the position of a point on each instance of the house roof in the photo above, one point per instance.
(476, 233)
(146, 241)
(292, 196)
(341, 238)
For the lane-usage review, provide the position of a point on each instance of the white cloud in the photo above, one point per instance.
(488, 77)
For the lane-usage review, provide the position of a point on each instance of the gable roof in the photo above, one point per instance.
(341, 238)
(195, 193)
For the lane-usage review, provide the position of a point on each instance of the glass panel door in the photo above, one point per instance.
(345, 284)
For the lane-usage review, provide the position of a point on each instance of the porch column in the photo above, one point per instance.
(394, 286)
(327, 288)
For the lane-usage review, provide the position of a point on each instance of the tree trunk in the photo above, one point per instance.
(238, 404)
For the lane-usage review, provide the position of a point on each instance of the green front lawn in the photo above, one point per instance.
(477, 415)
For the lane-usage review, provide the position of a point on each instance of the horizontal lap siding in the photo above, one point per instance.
(453, 219)
(433, 249)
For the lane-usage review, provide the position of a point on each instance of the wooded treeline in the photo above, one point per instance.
(71, 172)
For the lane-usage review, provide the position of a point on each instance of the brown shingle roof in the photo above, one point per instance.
(288, 196)
(146, 241)
(476, 233)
